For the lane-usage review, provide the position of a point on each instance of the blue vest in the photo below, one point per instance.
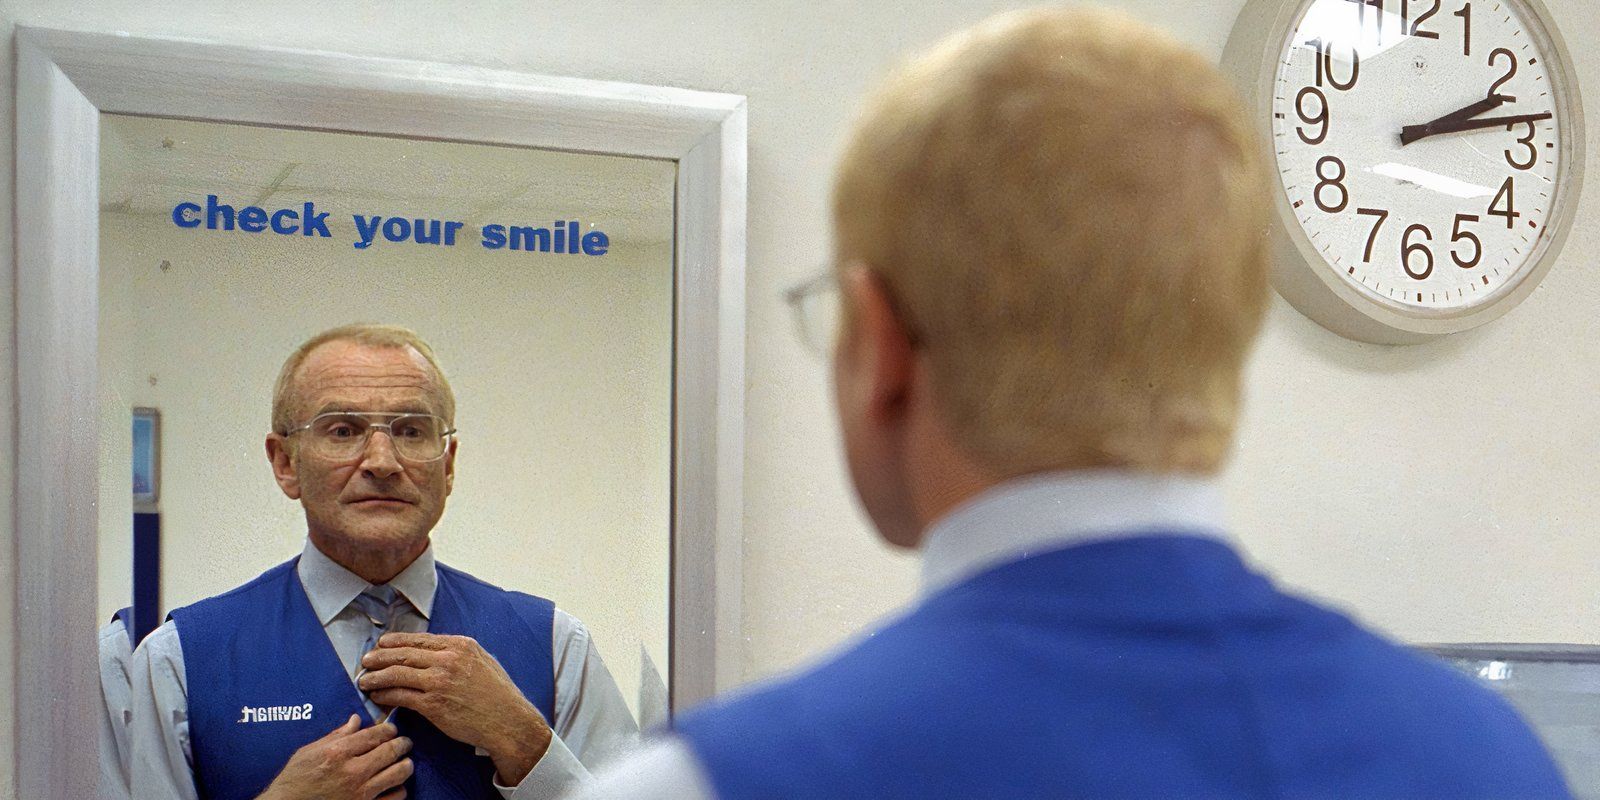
(1155, 666)
(262, 647)
(124, 615)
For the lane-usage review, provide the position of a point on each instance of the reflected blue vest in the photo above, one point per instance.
(1147, 667)
(124, 615)
(262, 647)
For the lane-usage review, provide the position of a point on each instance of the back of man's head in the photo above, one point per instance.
(1070, 210)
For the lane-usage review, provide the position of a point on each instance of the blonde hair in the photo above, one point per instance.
(369, 334)
(1069, 209)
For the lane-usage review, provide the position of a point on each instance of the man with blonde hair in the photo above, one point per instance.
(362, 668)
(1049, 232)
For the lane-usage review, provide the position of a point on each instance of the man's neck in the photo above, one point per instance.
(374, 565)
(935, 499)
(935, 475)
(945, 476)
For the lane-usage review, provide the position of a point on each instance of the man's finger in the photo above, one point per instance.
(396, 677)
(382, 757)
(345, 728)
(403, 698)
(426, 641)
(397, 794)
(392, 776)
(362, 741)
(403, 656)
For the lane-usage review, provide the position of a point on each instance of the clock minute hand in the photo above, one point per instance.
(1412, 133)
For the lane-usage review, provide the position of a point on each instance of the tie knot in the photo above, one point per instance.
(378, 603)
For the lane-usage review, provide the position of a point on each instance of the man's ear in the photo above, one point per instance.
(883, 355)
(450, 466)
(283, 467)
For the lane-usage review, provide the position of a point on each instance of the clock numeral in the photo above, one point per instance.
(1416, 257)
(1507, 193)
(1407, 247)
(1526, 141)
(1459, 235)
(1324, 62)
(1512, 73)
(1321, 117)
(1383, 216)
(1416, 27)
(1336, 181)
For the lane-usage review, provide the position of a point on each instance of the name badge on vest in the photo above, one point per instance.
(275, 713)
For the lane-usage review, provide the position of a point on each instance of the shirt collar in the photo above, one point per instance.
(330, 587)
(1050, 511)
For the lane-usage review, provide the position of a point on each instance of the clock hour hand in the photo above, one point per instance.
(1412, 133)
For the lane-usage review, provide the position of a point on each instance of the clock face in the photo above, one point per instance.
(1422, 146)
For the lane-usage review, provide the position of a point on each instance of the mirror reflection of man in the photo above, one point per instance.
(116, 651)
(1052, 269)
(363, 668)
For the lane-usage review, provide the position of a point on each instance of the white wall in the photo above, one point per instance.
(1468, 520)
(561, 364)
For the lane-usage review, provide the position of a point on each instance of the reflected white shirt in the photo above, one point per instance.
(1018, 519)
(592, 724)
(115, 653)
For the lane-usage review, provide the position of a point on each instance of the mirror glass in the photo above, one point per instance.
(1556, 688)
(543, 281)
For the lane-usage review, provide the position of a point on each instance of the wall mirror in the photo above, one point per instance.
(573, 250)
(561, 360)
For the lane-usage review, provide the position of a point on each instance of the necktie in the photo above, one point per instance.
(379, 604)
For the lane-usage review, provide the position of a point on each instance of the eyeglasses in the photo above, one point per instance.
(340, 435)
(815, 303)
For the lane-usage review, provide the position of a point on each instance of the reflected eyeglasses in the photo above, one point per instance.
(340, 435)
(816, 307)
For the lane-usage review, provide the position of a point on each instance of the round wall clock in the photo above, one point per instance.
(1428, 156)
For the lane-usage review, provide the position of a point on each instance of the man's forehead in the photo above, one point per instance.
(344, 373)
(355, 356)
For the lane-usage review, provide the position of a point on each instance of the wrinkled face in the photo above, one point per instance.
(375, 499)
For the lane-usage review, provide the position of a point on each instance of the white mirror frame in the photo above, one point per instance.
(67, 79)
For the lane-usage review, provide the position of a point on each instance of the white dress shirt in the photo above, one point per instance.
(592, 723)
(1018, 519)
(115, 653)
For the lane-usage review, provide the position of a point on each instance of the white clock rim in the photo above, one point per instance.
(1300, 273)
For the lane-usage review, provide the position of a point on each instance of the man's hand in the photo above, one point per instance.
(348, 764)
(464, 692)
